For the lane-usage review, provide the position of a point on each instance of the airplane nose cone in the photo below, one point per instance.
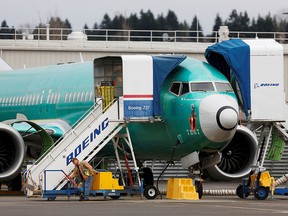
(218, 117)
(227, 118)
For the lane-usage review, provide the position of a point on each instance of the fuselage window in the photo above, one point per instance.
(37, 99)
(86, 96)
(16, 101)
(66, 98)
(34, 100)
(48, 98)
(90, 96)
(70, 97)
(175, 87)
(223, 87)
(82, 96)
(185, 88)
(202, 86)
(20, 100)
(52, 98)
(26, 99)
(74, 97)
(30, 100)
(78, 96)
(13, 101)
(58, 98)
(41, 99)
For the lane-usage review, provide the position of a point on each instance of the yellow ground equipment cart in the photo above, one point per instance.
(261, 184)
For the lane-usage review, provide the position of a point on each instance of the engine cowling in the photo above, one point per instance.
(12, 152)
(237, 156)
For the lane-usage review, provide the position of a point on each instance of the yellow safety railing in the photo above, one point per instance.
(107, 94)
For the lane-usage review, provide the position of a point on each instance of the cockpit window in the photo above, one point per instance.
(185, 88)
(175, 87)
(223, 87)
(202, 86)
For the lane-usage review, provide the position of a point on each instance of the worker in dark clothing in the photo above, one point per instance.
(86, 172)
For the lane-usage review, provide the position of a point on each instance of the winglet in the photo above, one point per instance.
(20, 116)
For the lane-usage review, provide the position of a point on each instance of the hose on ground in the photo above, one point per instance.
(223, 192)
(226, 192)
(281, 180)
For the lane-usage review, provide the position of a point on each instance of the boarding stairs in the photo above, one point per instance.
(282, 130)
(84, 141)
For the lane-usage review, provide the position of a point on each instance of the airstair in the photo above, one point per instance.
(282, 129)
(84, 141)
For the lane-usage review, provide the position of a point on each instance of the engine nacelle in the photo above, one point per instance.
(12, 152)
(237, 156)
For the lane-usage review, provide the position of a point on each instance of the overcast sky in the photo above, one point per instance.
(79, 12)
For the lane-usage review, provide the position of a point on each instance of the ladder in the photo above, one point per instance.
(84, 141)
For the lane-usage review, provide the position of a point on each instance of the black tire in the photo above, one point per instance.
(261, 193)
(147, 176)
(242, 191)
(51, 198)
(15, 184)
(199, 188)
(150, 192)
(114, 197)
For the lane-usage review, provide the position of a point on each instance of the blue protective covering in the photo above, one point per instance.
(162, 66)
(235, 55)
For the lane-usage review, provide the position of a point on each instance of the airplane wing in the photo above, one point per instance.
(38, 136)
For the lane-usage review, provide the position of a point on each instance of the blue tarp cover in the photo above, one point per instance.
(233, 55)
(162, 66)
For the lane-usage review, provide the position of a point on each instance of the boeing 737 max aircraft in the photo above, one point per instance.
(199, 111)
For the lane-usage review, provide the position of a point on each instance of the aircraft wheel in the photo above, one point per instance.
(51, 198)
(150, 192)
(15, 184)
(261, 193)
(242, 191)
(114, 197)
(199, 188)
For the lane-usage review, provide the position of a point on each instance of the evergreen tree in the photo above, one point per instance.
(133, 22)
(172, 21)
(147, 21)
(56, 31)
(197, 29)
(237, 22)
(6, 32)
(161, 22)
(106, 22)
(217, 23)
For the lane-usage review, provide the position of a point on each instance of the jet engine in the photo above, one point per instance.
(12, 152)
(237, 156)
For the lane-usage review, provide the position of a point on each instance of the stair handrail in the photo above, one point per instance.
(82, 118)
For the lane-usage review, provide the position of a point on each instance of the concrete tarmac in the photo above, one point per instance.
(208, 205)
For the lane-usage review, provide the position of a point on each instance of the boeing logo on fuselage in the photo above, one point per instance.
(87, 141)
(257, 85)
